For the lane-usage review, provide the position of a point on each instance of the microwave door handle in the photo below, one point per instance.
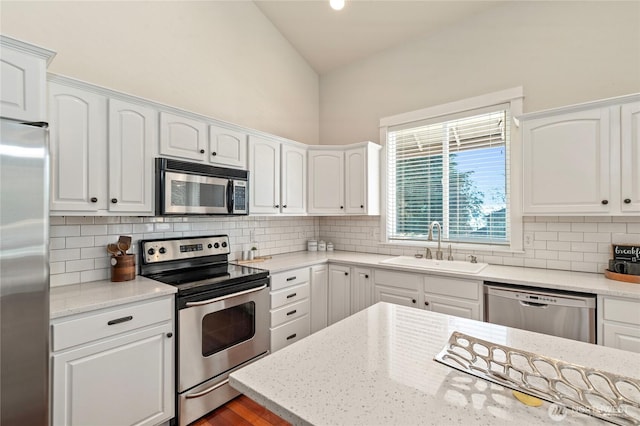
(230, 196)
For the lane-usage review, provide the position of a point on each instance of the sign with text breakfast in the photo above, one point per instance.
(628, 253)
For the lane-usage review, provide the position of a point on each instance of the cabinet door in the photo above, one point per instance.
(326, 182)
(339, 293)
(355, 180)
(132, 147)
(227, 148)
(455, 307)
(361, 289)
(319, 297)
(625, 337)
(264, 168)
(630, 156)
(566, 163)
(121, 381)
(397, 296)
(23, 86)
(294, 180)
(78, 146)
(182, 137)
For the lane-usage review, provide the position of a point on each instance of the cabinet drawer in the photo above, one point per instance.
(466, 289)
(289, 312)
(65, 334)
(289, 278)
(289, 333)
(397, 279)
(621, 337)
(622, 310)
(289, 295)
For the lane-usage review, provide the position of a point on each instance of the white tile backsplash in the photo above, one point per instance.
(78, 244)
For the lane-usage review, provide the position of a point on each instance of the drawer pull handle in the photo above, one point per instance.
(292, 295)
(292, 312)
(208, 390)
(119, 320)
(291, 278)
(293, 336)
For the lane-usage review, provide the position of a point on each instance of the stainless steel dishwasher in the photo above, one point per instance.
(563, 314)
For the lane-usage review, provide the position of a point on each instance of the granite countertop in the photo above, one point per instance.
(77, 298)
(545, 278)
(376, 368)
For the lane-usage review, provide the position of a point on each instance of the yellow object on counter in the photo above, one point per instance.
(529, 400)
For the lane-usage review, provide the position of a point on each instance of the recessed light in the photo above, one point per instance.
(336, 4)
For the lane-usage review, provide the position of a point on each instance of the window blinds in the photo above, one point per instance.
(453, 170)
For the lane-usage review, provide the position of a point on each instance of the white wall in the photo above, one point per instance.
(560, 52)
(223, 59)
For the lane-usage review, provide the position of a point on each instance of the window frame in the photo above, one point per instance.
(514, 98)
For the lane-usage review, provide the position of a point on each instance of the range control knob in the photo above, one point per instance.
(216, 245)
(151, 252)
(209, 246)
(224, 244)
(162, 250)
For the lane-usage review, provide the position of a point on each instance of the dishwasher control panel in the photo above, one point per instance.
(536, 298)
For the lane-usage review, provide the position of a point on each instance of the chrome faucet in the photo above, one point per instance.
(430, 238)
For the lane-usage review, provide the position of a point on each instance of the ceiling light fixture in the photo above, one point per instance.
(336, 4)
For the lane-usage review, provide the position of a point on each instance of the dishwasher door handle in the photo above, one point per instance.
(533, 304)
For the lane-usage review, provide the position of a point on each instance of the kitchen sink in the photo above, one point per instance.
(437, 265)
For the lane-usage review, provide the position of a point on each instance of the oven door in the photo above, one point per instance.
(186, 193)
(218, 334)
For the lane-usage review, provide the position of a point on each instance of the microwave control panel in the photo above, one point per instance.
(239, 196)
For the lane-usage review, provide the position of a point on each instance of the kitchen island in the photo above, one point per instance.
(377, 368)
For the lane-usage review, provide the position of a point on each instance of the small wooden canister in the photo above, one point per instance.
(123, 268)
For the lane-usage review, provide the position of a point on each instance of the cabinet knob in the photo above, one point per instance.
(114, 200)
(277, 206)
(361, 206)
(169, 335)
(202, 151)
(342, 207)
(426, 303)
(284, 206)
(346, 273)
(94, 200)
(627, 200)
(605, 202)
(214, 153)
(366, 276)
(413, 300)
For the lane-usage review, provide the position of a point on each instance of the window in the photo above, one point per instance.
(453, 168)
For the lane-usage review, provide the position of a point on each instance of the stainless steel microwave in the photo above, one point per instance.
(184, 188)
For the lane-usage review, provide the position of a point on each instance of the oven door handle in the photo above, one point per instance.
(228, 296)
(206, 391)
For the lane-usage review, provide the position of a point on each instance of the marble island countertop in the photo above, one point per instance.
(545, 278)
(376, 368)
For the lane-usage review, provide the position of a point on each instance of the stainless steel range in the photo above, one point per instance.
(222, 317)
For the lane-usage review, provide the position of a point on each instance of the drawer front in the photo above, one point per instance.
(466, 289)
(289, 333)
(397, 279)
(289, 278)
(65, 334)
(289, 295)
(622, 310)
(621, 337)
(289, 312)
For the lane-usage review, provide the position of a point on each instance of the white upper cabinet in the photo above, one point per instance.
(278, 176)
(582, 160)
(227, 148)
(326, 181)
(132, 148)
(630, 158)
(78, 147)
(102, 152)
(345, 180)
(23, 86)
(182, 137)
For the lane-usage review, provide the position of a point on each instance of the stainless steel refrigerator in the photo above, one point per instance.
(24, 273)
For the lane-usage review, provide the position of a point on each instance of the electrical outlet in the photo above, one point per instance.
(528, 239)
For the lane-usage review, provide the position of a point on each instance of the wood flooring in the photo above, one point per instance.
(241, 411)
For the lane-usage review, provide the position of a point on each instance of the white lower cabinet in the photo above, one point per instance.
(454, 296)
(319, 297)
(400, 288)
(339, 293)
(115, 366)
(619, 323)
(290, 307)
(361, 289)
